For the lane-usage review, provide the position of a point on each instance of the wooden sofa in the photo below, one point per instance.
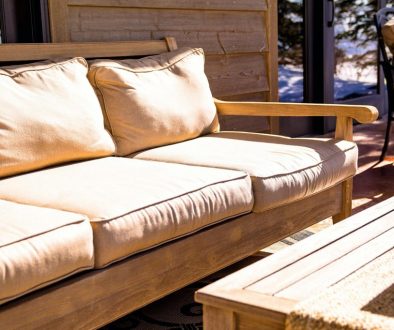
(96, 297)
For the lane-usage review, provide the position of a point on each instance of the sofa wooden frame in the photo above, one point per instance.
(96, 297)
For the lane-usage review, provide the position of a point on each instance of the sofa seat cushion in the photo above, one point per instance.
(39, 246)
(282, 169)
(49, 114)
(155, 100)
(133, 204)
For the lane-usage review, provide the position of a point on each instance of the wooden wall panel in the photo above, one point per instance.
(236, 74)
(177, 4)
(239, 38)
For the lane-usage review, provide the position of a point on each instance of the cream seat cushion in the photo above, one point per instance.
(49, 114)
(155, 100)
(39, 246)
(133, 204)
(282, 169)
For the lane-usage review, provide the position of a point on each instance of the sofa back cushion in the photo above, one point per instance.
(49, 114)
(155, 100)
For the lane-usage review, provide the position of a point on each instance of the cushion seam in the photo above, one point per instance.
(168, 199)
(305, 168)
(42, 233)
(50, 66)
(190, 52)
(45, 284)
(134, 155)
(175, 238)
(303, 197)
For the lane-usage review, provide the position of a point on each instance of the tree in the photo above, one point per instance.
(290, 30)
(354, 19)
(353, 22)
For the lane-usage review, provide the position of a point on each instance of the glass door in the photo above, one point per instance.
(357, 76)
(292, 56)
(328, 54)
(356, 72)
(291, 50)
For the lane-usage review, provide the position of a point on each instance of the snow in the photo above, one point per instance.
(348, 82)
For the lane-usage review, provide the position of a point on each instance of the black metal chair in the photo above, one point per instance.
(387, 63)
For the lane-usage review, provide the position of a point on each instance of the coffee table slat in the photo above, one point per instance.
(340, 269)
(292, 254)
(321, 258)
(242, 296)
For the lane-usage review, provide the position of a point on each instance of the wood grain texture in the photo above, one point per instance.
(58, 20)
(220, 43)
(171, 43)
(344, 128)
(361, 113)
(262, 294)
(222, 28)
(243, 310)
(236, 74)
(347, 192)
(341, 268)
(109, 18)
(322, 259)
(244, 5)
(294, 253)
(246, 123)
(218, 319)
(97, 297)
(35, 52)
(271, 21)
(254, 322)
(245, 301)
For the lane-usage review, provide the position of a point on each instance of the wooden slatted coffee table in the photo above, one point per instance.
(261, 295)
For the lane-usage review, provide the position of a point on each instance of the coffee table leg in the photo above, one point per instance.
(218, 319)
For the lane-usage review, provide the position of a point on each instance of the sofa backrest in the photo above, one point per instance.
(16, 53)
(50, 114)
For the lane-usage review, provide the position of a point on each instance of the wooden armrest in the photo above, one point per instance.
(344, 113)
(361, 113)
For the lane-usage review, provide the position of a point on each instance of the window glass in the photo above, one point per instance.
(355, 49)
(290, 47)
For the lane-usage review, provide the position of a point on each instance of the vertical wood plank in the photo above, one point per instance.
(271, 17)
(272, 60)
(58, 20)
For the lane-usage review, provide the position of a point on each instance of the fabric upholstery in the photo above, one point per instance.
(39, 246)
(282, 169)
(155, 100)
(133, 204)
(49, 114)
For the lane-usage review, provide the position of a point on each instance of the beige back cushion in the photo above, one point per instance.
(49, 114)
(155, 100)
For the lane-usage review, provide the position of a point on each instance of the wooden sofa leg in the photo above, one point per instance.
(347, 188)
